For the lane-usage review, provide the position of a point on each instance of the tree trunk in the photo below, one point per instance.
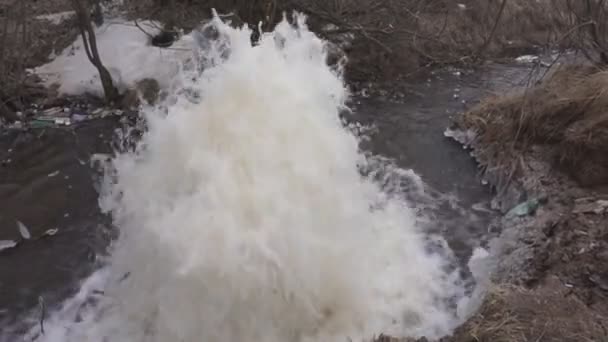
(97, 13)
(90, 46)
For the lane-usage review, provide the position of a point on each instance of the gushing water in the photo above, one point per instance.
(243, 216)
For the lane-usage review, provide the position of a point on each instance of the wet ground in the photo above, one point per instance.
(46, 182)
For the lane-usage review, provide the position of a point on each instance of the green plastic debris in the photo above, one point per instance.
(41, 124)
(526, 208)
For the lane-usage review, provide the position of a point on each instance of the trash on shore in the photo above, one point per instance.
(62, 116)
(527, 208)
(583, 206)
(527, 59)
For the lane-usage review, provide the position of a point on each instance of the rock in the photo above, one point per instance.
(599, 281)
(130, 99)
(149, 89)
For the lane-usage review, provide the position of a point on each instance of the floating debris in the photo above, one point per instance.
(7, 244)
(53, 174)
(25, 233)
(51, 232)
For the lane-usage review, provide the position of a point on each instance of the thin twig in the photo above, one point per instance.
(42, 307)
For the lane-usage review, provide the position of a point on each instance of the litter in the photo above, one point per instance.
(52, 111)
(53, 174)
(527, 59)
(16, 125)
(7, 244)
(41, 123)
(79, 117)
(63, 121)
(25, 233)
(597, 207)
(51, 232)
(525, 209)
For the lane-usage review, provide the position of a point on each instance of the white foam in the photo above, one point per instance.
(244, 217)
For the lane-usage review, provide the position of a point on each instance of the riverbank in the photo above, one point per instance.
(543, 150)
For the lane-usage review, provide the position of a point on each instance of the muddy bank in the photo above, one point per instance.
(552, 249)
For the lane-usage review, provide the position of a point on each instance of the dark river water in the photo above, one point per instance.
(47, 182)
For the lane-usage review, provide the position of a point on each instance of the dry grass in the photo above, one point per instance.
(27, 42)
(568, 110)
(547, 313)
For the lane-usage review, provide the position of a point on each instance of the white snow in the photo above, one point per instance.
(56, 18)
(527, 59)
(126, 53)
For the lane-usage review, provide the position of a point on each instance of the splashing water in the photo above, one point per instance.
(244, 216)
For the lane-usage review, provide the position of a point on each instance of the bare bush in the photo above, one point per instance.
(81, 7)
(14, 39)
(587, 27)
(391, 37)
(25, 42)
(399, 36)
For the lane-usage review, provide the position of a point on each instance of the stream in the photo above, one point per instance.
(47, 182)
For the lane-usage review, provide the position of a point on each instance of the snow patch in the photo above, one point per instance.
(56, 18)
(125, 51)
